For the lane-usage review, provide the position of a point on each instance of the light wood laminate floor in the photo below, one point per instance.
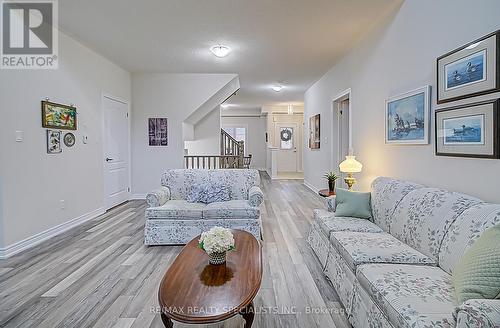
(101, 275)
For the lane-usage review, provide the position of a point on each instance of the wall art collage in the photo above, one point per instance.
(466, 130)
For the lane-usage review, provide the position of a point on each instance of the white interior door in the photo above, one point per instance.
(116, 152)
(343, 135)
(286, 141)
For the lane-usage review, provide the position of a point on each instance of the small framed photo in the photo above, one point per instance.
(471, 70)
(407, 117)
(158, 131)
(314, 131)
(469, 130)
(57, 116)
(53, 142)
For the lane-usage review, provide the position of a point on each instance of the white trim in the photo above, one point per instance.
(49, 233)
(311, 187)
(346, 94)
(138, 196)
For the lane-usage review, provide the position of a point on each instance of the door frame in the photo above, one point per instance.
(103, 150)
(346, 94)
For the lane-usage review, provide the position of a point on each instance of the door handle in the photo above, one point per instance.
(108, 159)
(295, 150)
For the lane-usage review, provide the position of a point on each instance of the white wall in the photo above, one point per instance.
(176, 97)
(32, 182)
(256, 136)
(206, 135)
(398, 56)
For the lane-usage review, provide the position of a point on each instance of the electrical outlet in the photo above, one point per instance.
(62, 202)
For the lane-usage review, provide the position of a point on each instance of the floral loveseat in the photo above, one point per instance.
(395, 270)
(170, 219)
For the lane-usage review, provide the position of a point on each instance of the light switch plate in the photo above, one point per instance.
(85, 139)
(19, 136)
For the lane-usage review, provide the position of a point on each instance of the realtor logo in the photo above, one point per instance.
(29, 34)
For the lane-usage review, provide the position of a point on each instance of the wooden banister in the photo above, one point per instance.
(216, 162)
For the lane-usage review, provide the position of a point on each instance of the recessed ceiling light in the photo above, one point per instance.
(220, 50)
(277, 88)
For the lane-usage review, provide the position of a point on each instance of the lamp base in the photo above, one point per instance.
(350, 181)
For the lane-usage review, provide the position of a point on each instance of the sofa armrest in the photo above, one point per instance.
(255, 196)
(158, 197)
(478, 313)
(331, 203)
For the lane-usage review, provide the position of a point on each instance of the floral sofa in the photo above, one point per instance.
(170, 219)
(395, 270)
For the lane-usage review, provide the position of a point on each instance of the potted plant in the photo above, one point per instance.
(331, 177)
(216, 243)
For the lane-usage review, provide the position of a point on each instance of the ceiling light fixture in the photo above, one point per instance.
(220, 50)
(277, 88)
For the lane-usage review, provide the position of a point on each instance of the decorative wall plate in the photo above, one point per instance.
(69, 139)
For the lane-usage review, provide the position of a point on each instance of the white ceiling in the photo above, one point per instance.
(290, 41)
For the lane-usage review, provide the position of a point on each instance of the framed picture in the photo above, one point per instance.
(158, 132)
(53, 142)
(407, 117)
(69, 139)
(57, 116)
(469, 130)
(471, 70)
(314, 131)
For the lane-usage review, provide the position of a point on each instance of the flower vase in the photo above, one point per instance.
(331, 186)
(216, 258)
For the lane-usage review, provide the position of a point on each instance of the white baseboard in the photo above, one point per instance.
(138, 196)
(49, 233)
(310, 186)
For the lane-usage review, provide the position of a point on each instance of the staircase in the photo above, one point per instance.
(229, 145)
(232, 156)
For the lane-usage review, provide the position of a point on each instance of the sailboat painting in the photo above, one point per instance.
(407, 117)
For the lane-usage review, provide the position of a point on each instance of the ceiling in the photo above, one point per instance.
(293, 42)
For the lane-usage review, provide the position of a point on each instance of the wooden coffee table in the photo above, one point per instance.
(195, 292)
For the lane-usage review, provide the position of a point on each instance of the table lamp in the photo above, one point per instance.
(350, 165)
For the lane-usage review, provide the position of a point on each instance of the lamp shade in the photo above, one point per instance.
(350, 165)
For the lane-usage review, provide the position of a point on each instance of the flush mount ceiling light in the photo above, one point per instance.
(277, 88)
(220, 50)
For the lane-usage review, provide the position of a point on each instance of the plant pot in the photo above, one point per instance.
(217, 258)
(331, 186)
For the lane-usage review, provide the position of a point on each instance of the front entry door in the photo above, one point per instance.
(116, 152)
(286, 140)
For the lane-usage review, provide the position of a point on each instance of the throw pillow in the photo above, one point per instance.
(208, 193)
(216, 192)
(477, 274)
(353, 204)
(196, 194)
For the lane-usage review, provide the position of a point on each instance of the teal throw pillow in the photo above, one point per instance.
(353, 204)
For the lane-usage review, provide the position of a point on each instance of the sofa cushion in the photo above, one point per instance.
(176, 209)
(181, 181)
(410, 295)
(424, 216)
(353, 204)
(233, 209)
(464, 231)
(477, 274)
(239, 181)
(359, 248)
(328, 222)
(386, 195)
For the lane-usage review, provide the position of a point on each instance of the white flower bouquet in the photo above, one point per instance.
(216, 242)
